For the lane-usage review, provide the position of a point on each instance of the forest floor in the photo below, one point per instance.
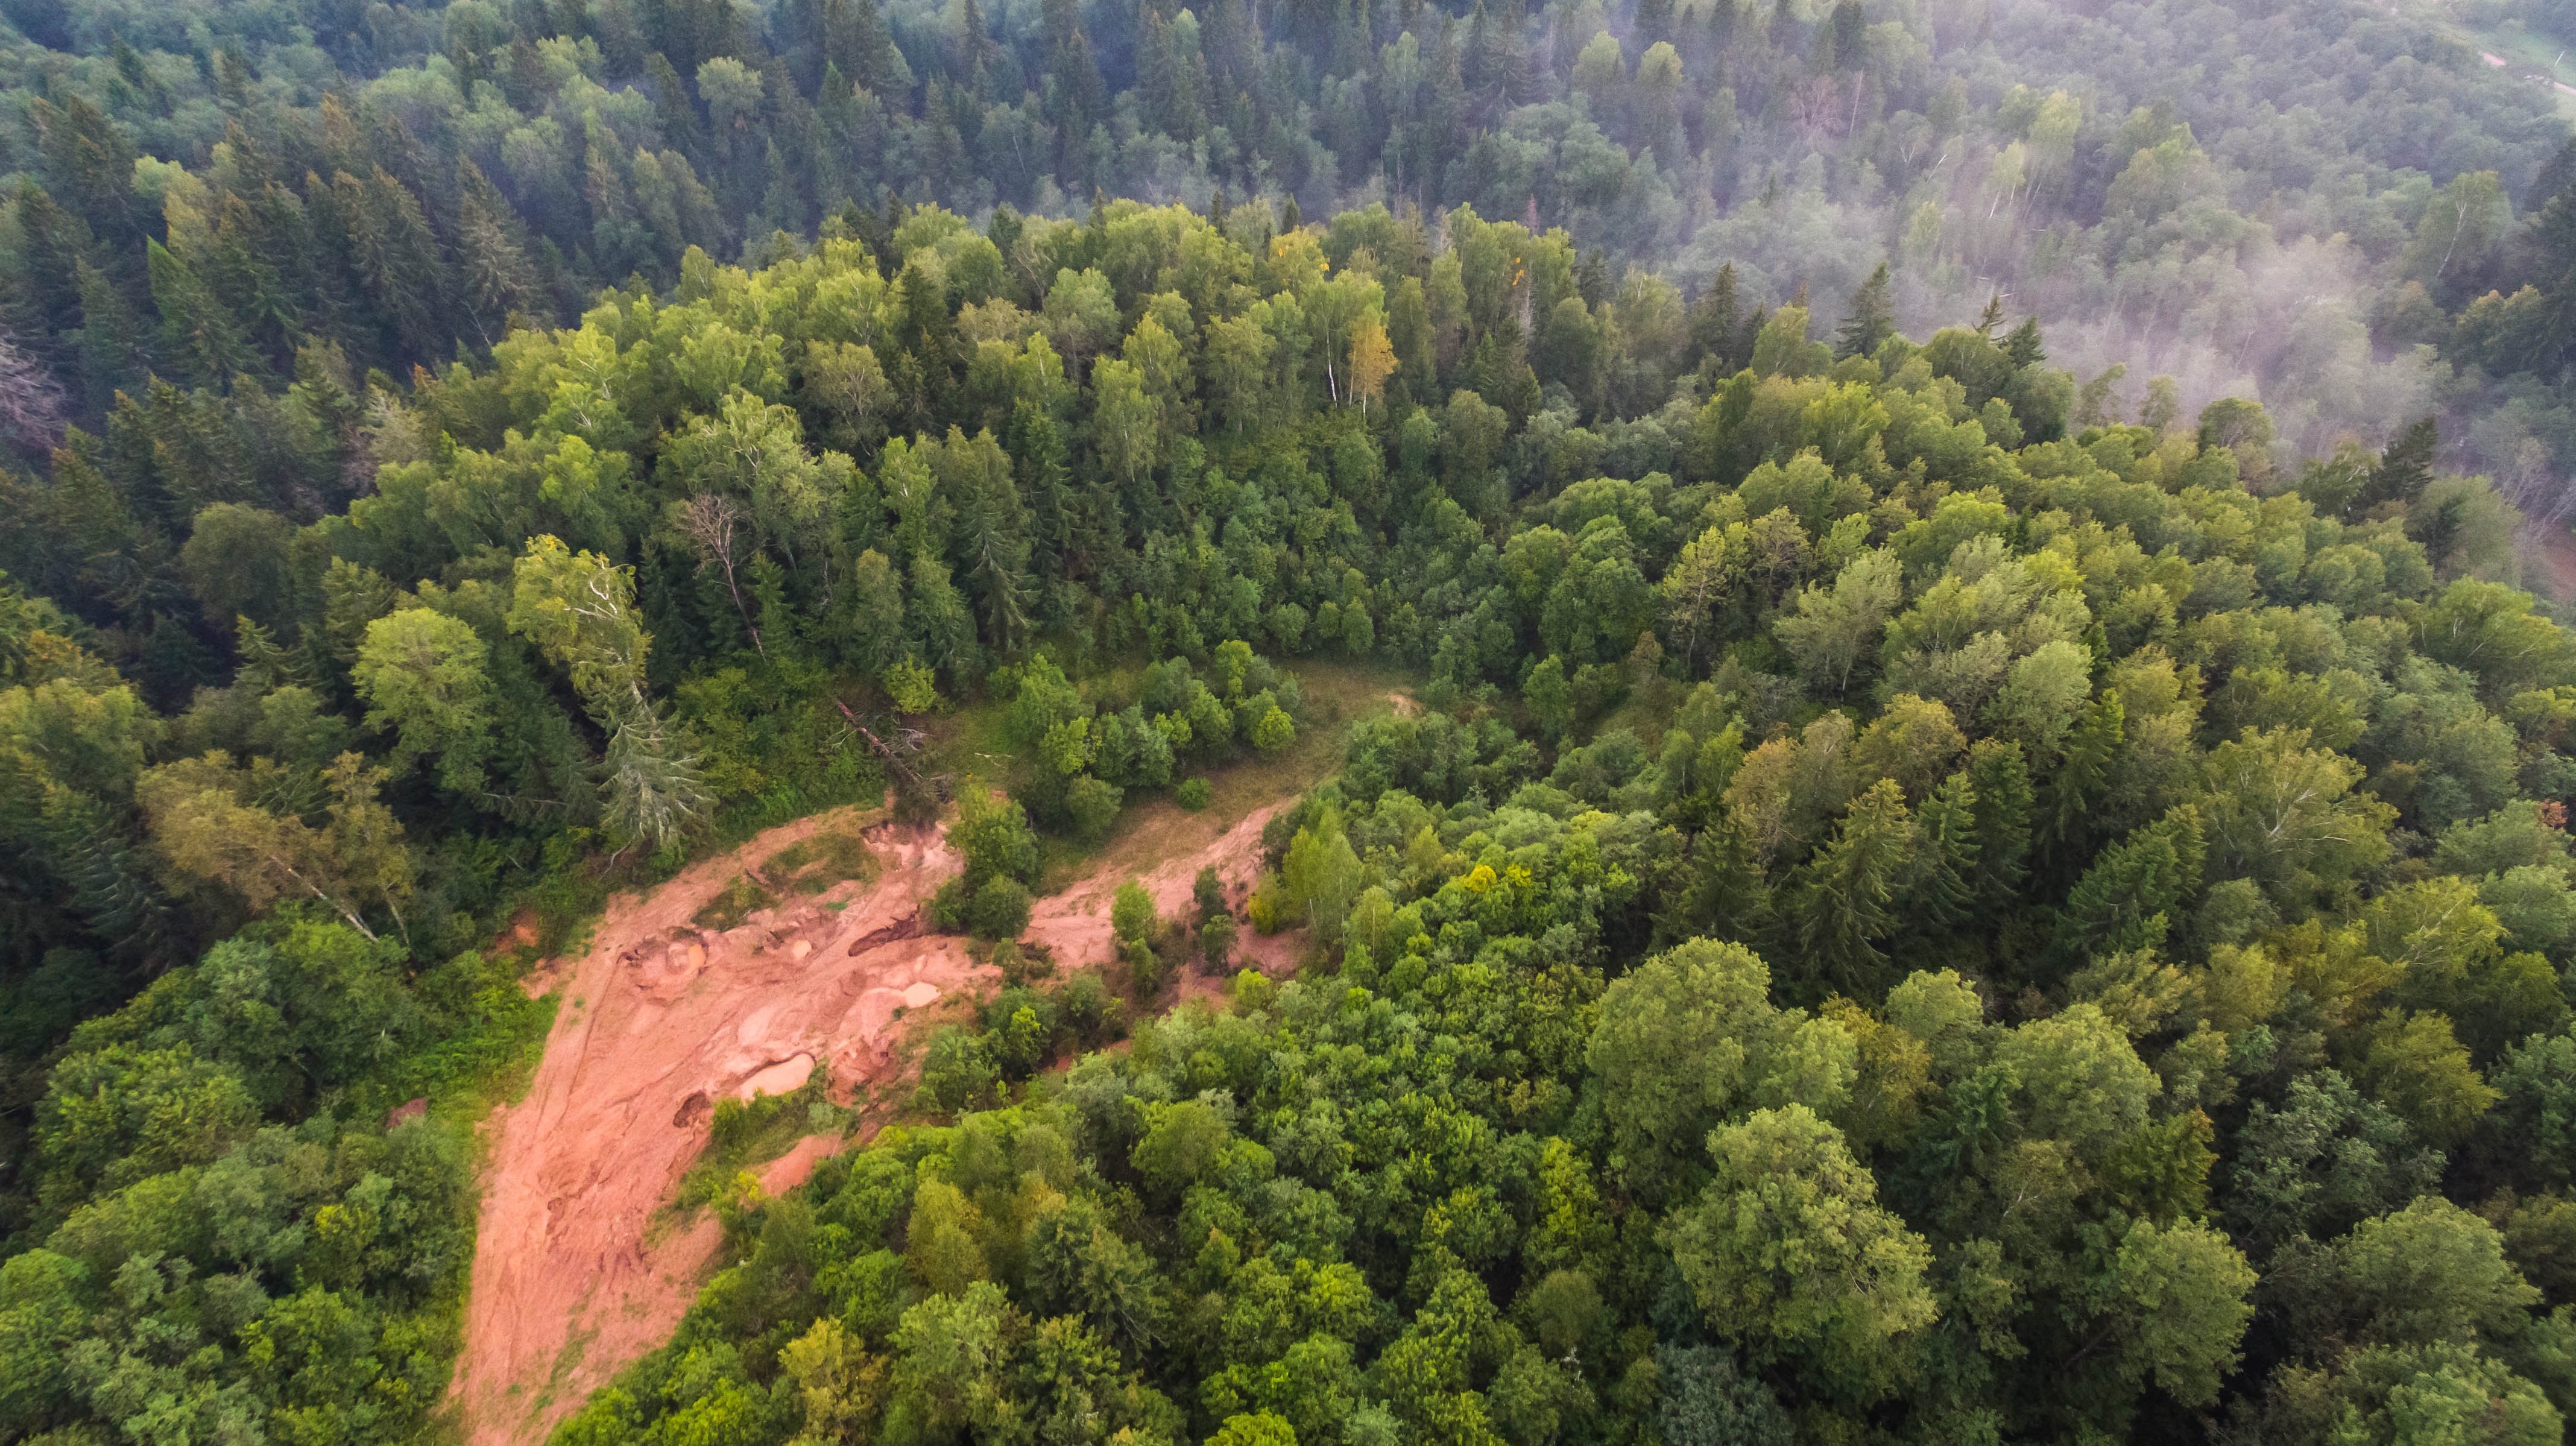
(803, 947)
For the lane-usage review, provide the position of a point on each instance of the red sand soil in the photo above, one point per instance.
(661, 1018)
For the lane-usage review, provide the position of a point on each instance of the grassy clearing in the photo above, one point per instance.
(733, 903)
(1154, 826)
(972, 740)
(812, 865)
(2525, 50)
(744, 1134)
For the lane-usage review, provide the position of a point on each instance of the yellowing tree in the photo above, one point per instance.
(1372, 361)
(206, 817)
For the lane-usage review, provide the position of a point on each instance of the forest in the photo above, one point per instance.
(1982, 857)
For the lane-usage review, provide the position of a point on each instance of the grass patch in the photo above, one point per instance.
(733, 903)
(1153, 827)
(745, 1133)
(811, 865)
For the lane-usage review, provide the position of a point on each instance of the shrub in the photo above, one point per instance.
(958, 1072)
(948, 906)
(999, 910)
(1092, 805)
(1093, 1014)
(1216, 942)
(1193, 794)
(1132, 916)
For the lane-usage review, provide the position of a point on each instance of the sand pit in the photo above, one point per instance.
(660, 1018)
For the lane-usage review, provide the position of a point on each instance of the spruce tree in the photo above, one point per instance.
(1844, 899)
(1871, 321)
(2023, 346)
(1713, 319)
(2403, 469)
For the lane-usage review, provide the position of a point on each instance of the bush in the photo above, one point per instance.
(1275, 731)
(958, 1071)
(948, 906)
(1193, 794)
(1216, 942)
(1092, 805)
(1144, 967)
(1132, 916)
(1093, 1014)
(999, 910)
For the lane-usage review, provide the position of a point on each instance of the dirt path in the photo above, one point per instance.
(660, 1019)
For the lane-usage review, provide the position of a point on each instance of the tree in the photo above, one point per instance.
(1871, 321)
(2181, 1308)
(1550, 697)
(2125, 900)
(712, 523)
(1322, 875)
(198, 334)
(1789, 1253)
(579, 609)
(1843, 899)
(1831, 632)
(1690, 1039)
(1372, 361)
(425, 676)
(205, 822)
(2404, 468)
(2284, 815)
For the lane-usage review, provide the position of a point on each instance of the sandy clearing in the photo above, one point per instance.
(661, 1018)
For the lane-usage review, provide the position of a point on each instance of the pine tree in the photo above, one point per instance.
(88, 164)
(397, 258)
(1038, 451)
(1713, 319)
(1871, 321)
(1991, 317)
(2001, 778)
(1844, 898)
(44, 304)
(491, 261)
(112, 336)
(2023, 346)
(2403, 469)
(2125, 900)
(1944, 888)
(2092, 745)
(1654, 22)
(1725, 895)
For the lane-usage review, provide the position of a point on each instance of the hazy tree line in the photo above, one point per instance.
(2238, 199)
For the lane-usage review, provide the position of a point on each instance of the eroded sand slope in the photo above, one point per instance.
(661, 1018)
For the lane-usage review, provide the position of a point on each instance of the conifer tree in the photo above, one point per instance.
(1844, 899)
(1871, 320)
(1713, 322)
(2404, 468)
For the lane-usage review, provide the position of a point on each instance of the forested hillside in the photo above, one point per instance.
(1936, 894)
(2276, 200)
(1913, 922)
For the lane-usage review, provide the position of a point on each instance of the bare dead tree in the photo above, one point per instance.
(2531, 485)
(712, 521)
(31, 401)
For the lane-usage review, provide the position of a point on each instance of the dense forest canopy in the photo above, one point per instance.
(1936, 894)
(2292, 202)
